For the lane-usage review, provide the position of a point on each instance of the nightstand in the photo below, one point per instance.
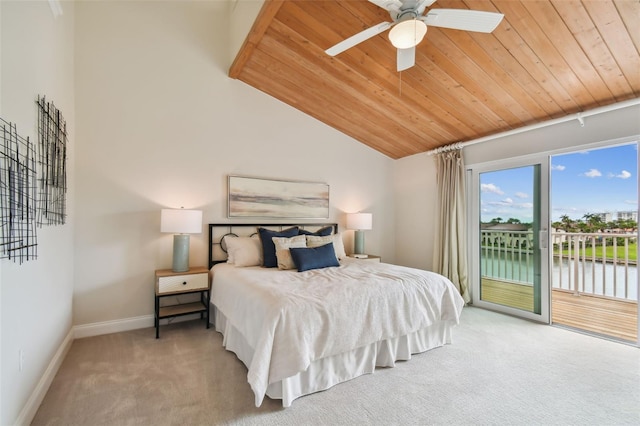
(369, 258)
(169, 283)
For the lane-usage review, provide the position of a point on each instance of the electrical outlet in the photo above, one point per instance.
(20, 359)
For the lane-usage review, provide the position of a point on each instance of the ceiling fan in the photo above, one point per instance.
(410, 26)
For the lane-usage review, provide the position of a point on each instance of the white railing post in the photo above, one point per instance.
(576, 249)
(604, 269)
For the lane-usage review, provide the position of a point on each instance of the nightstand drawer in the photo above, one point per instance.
(183, 283)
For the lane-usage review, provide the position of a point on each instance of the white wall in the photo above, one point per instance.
(415, 193)
(1, 364)
(159, 124)
(37, 58)
(242, 15)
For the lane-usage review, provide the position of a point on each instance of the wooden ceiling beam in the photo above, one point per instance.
(268, 11)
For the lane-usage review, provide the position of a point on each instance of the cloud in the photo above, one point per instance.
(489, 187)
(508, 202)
(592, 173)
(558, 167)
(622, 175)
(572, 212)
(522, 195)
(566, 209)
(633, 202)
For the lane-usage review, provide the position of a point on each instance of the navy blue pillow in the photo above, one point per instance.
(268, 248)
(314, 257)
(322, 232)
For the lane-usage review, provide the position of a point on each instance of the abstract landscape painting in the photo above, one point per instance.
(255, 197)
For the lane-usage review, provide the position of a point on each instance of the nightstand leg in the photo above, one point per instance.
(157, 319)
(207, 301)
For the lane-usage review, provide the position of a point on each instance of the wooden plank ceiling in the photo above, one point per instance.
(546, 59)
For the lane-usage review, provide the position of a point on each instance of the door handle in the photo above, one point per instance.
(543, 238)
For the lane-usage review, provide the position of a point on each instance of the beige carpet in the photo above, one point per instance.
(499, 370)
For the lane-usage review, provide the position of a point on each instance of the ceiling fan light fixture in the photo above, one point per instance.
(408, 33)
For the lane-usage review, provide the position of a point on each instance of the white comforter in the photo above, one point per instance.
(292, 318)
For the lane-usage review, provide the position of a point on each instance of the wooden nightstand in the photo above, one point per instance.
(169, 283)
(369, 258)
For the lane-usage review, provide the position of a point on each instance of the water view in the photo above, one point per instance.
(609, 280)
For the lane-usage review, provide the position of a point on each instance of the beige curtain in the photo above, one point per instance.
(450, 251)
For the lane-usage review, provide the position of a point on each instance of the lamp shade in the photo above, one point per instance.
(359, 221)
(180, 221)
(408, 33)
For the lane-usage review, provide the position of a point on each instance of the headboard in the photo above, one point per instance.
(217, 232)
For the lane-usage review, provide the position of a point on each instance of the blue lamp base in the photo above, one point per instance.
(358, 242)
(181, 253)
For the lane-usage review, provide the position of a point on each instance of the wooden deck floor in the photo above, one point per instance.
(616, 318)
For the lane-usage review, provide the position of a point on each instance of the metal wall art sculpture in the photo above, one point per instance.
(17, 195)
(52, 162)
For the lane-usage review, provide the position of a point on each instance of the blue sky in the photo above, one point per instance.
(595, 181)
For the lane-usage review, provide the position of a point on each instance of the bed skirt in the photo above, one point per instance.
(327, 372)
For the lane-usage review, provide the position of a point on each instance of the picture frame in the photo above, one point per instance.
(273, 198)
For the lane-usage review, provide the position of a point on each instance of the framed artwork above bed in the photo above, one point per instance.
(269, 198)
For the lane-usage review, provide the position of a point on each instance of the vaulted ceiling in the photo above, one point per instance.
(545, 60)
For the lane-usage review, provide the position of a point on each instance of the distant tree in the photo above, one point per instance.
(496, 220)
(593, 223)
(513, 220)
(566, 223)
(582, 226)
(628, 224)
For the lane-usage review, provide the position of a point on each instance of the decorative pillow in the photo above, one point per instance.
(268, 248)
(314, 258)
(244, 251)
(336, 239)
(327, 230)
(282, 249)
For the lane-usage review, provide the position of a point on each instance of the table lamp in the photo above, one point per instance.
(359, 222)
(181, 222)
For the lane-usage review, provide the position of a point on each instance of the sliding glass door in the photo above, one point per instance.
(594, 239)
(510, 226)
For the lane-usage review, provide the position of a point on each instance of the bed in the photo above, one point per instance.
(301, 329)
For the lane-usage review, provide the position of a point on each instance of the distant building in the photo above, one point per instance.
(605, 217)
(629, 215)
(608, 216)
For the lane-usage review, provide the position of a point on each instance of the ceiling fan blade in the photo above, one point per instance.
(422, 5)
(390, 5)
(406, 58)
(463, 19)
(358, 38)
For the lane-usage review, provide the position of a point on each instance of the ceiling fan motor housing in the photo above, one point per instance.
(403, 15)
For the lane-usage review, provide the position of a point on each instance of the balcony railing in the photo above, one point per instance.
(584, 263)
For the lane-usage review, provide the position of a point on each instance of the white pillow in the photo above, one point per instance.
(283, 244)
(244, 251)
(336, 239)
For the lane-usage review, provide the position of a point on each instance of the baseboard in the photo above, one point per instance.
(33, 403)
(114, 326)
